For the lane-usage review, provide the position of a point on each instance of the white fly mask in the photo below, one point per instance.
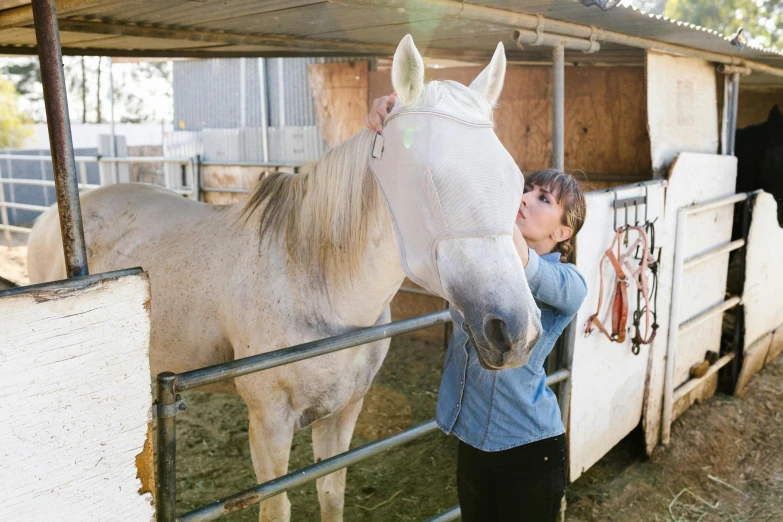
(443, 177)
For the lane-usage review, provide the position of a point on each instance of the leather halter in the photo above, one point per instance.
(620, 262)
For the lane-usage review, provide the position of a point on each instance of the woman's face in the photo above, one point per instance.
(540, 215)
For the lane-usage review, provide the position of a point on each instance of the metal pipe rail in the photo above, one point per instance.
(307, 474)
(81, 161)
(40, 183)
(169, 402)
(492, 15)
(264, 361)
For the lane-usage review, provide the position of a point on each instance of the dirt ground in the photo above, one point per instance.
(13, 261)
(724, 463)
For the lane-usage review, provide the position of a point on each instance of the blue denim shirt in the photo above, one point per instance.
(502, 409)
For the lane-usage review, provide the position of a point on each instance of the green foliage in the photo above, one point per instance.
(761, 19)
(14, 129)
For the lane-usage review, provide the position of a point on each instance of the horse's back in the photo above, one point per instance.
(116, 218)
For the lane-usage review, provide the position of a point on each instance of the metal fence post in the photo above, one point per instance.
(558, 107)
(53, 79)
(4, 213)
(167, 449)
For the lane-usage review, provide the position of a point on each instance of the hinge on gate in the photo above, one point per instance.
(164, 411)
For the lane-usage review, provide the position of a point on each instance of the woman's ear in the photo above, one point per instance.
(562, 233)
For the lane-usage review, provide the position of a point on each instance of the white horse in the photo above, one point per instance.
(309, 256)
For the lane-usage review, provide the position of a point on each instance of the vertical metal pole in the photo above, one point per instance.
(167, 451)
(733, 112)
(53, 79)
(674, 327)
(113, 146)
(281, 90)
(725, 125)
(558, 107)
(11, 190)
(264, 116)
(4, 214)
(242, 96)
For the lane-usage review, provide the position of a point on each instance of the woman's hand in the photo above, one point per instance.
(521, 245)
(380, 108)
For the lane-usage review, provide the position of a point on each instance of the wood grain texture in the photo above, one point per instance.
(753, 106)
(76, 402)
(682, 108)
(605, 115)
(339, 94)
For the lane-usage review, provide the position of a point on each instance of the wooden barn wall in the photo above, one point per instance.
(605, 116)
(339, 98)
(753, 106)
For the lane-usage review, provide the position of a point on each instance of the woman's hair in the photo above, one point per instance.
(568, 193)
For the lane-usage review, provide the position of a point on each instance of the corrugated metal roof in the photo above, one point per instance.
(441, 28)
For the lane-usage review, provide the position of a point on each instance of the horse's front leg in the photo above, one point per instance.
(332, 436)
(270, 447)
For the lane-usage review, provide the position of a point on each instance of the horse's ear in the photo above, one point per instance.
(490, 81)
(774, 115)
(407, 71)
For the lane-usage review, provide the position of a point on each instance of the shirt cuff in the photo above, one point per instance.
(533, 262)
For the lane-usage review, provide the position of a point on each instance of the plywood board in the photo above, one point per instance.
(694, 178)
(763, 277)
(753, 106)
(339, 94)
(76, 403)
(682, 108)
(608, 382)
(605, 116)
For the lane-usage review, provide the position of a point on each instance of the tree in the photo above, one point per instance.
(761, 19)
(656, 7)
(14, 129)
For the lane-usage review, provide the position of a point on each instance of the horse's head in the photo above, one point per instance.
(454, 191)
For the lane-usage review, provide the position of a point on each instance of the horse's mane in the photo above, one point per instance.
(325, 212)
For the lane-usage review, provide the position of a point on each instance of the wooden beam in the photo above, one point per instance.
(200, 52)
(190, 35)
(22, 16)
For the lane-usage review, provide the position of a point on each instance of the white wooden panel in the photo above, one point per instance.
(694, 178)
(763, 292)
(608, 379)
(75, 402)
(682, 107)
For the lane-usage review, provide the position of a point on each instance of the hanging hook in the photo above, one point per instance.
(614, 205)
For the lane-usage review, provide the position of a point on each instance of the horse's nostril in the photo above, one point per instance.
(496, 332)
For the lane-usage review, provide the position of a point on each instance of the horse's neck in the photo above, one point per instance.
(361, 298)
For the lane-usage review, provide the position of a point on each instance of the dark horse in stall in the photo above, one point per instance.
(759, 151)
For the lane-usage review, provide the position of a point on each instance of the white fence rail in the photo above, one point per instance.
(186, 165)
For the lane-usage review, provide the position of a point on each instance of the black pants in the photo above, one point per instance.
(522, 484)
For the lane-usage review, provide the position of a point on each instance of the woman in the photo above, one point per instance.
(511, 463)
